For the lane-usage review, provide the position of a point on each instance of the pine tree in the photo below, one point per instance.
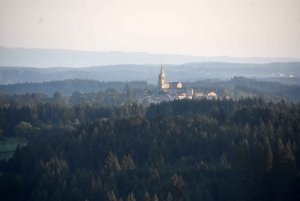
(127, 163)
(155, 198)
(112, 162)
(241, 171)
(111, 196)
(268, 155)
(146, 197)
(178, 186)
(285, 172)
(96, 184)
(131, 197)
(224, 162)
(170, 197)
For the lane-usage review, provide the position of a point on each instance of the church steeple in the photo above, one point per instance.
(162, 70)
(162, 84)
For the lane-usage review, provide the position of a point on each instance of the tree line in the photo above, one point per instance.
(105, 97)
(67, 87)
(241, 87)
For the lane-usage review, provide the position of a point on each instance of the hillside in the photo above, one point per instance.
(281, 72)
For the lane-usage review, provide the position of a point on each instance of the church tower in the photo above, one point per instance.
(162, 84)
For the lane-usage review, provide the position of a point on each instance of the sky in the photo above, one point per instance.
(236, 28)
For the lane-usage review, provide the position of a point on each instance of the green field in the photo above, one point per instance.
(7, 150)
(6, 155)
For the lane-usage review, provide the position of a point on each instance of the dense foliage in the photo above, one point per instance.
(241, 87)
(246, 149)
(285, 72)
(67, 87)
(70, 92)
(107, 97)
(64, 113)
(47, 118)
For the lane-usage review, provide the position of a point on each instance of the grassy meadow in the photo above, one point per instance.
(7, 149)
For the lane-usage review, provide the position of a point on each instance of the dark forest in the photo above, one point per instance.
(145, 100)
(245, 149)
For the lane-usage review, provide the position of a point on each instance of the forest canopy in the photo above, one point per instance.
(245, 149)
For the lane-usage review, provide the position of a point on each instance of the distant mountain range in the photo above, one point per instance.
(285, 72)
(70, 58)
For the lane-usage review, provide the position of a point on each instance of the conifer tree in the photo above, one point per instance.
(155, 198)
(146, 197)
(131, 197)
(169, 197)
(127, 163)
(112, 162)
(111, 196)
(268, 155)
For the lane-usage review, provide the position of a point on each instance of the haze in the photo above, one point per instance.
(199, 28)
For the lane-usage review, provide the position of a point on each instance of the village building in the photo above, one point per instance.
(209, 96)
(169, 91)
(212, 95)
(173, 88)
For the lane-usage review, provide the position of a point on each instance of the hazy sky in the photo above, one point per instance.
(237, 28)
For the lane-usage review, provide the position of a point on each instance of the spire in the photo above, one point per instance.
(162, 79)
(162, 70)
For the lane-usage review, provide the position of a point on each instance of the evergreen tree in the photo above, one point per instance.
(112, 162)
(127, 163)
(131, 197)
(169, 198)
(111, 196)
(155, 198)
(146, 197)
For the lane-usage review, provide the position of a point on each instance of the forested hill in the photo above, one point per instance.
(286, 72)
(246, 149)
(67, 87)
(236, 88)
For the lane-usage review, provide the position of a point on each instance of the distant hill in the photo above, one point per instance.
(286, 72)
(70, 58)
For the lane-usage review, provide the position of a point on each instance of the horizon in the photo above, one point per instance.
(117, 51)
(44, 58)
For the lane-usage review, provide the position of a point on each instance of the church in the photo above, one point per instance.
(173, 88)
